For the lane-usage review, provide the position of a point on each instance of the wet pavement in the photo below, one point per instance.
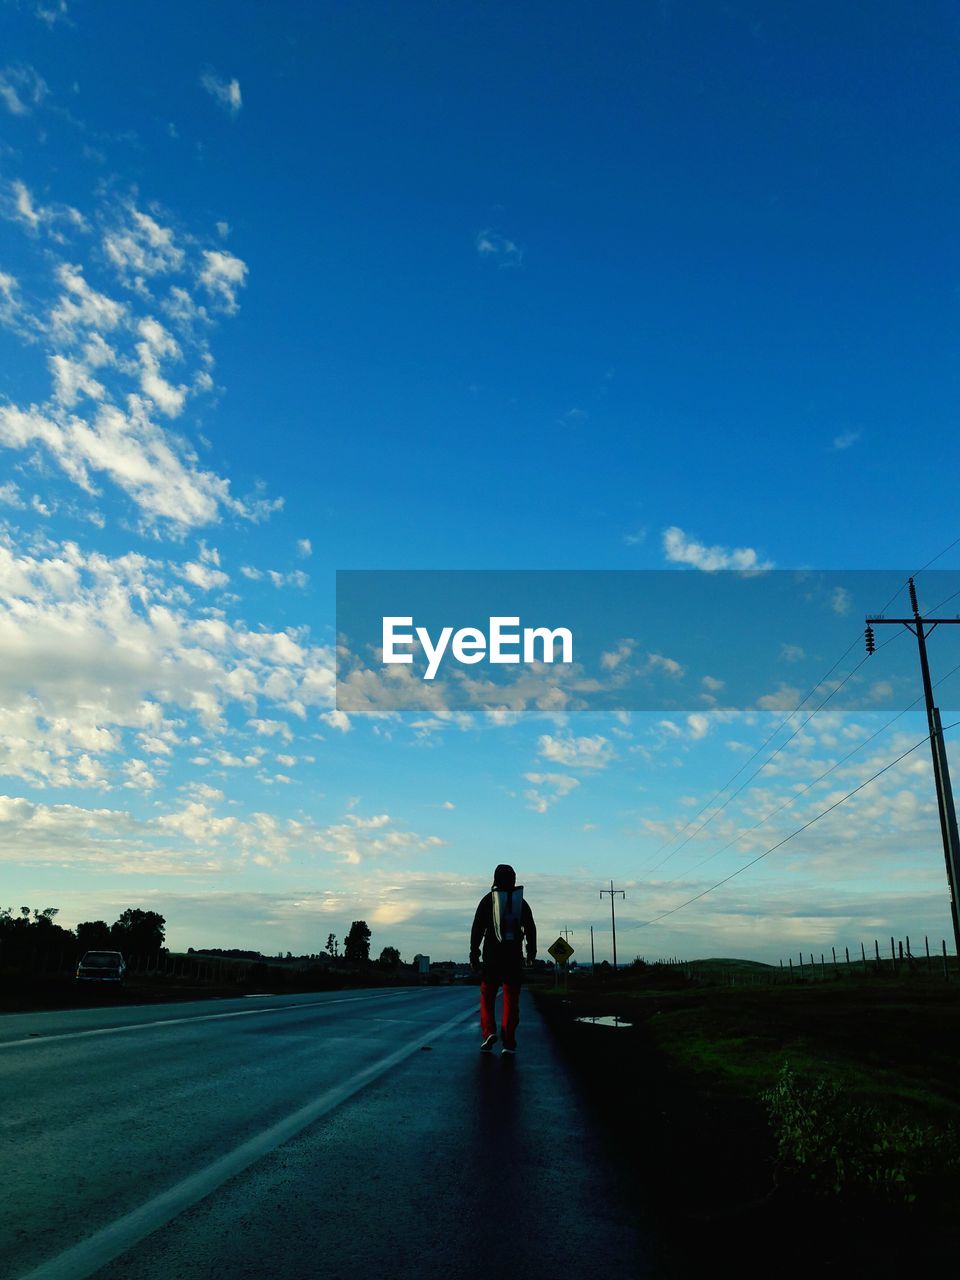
(331, 1135)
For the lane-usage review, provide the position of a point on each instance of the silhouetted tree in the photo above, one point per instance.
(93, 935)
(32, 935)
(389, 957)
(332, 947)
(137, 932)
(356, 945)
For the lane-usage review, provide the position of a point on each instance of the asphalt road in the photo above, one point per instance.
(331, 1135)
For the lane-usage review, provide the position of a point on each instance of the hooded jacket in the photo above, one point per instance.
(503, 922)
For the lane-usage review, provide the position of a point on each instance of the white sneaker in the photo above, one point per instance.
(488, 1044)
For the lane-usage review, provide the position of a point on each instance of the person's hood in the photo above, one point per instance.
(504, 877)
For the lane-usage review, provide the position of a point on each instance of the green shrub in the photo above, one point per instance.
(842, 1147)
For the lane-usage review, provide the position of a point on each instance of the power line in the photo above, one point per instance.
(753, 757)
(780, 843)
(775, 754)
(826, 773)
(772, 756)
(769, 739)
(922, 627)
(666, 844)
(933, 561)
(781, 747)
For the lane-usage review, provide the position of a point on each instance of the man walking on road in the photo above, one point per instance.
(502, 923)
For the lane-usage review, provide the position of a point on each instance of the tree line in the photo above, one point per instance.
(27, 932)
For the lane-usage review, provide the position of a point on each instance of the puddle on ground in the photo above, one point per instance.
(608, 1020)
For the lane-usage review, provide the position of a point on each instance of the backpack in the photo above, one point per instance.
(507, 909)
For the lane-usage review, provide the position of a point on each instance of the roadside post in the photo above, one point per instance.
(561, 951)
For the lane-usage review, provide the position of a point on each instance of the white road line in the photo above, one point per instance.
(204, 1017)
(83, 1259)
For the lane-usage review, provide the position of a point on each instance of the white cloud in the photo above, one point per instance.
(613, 658)
(678, 548)
(191, 838)
(19, 206)
(846, 439)
(594, 752)
(82, 307)
(295, 578)
(110, 360)
(158, 344)
(201, 791)
(336, 719)
(698, 724)
(139, 776)
(547, 789)
(204, 576)
(271, 728)
(222, 275)
(96, 650)
(10, 495)
(141, 248)
(670, 666)
(52, 12)
(394, 912)
(23, 208)
(840, 600)
(497, 248)
(72, 379)
(128, 448)
(785, 698)
(116, 436)
(881, 691)
(13, 313)
(225, 93)
(21, 89)
(304, 548)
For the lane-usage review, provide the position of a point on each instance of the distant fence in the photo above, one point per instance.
(807, 966)
(902, 959)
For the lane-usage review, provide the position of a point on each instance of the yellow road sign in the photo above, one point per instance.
(561, 951)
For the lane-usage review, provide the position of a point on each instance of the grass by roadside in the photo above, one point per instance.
(681, 1095)
(893, 1043)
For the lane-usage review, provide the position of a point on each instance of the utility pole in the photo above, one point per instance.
(566, 933)
(613, 916)
(921, 628)
(593, 962)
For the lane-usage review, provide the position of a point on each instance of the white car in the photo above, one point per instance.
(102, 967)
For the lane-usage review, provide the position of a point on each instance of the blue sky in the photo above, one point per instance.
(290, 289)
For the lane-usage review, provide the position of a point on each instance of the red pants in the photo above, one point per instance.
(511, 1011)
